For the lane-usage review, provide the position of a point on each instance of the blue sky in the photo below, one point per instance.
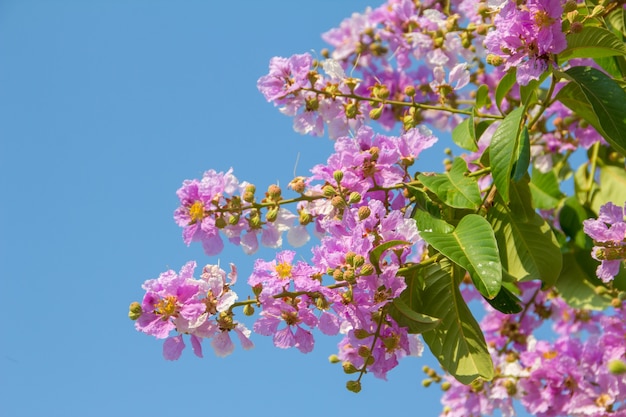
(105, 108)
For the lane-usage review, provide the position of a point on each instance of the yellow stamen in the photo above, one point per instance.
(166, 306)
(283, 270)
(196, 212)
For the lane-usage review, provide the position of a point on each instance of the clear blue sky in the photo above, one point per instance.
(106, 106)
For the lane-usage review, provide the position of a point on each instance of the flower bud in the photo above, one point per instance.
(426, 383)
(576, 27)
(248, 310)
(134, 311)
(271, 214)
(353, 386)
(380, 91)
(364, 212)
(349, 368)
(338, 202)
(298, 185)
(352, 110)
(367, 269)
(338, 176)
(274, 192)
(445, 386)
(494, 60)
(364, 352)
(361, 334)
(220, 222)
(617, 367)
(328, 191)
(312, 103)
(349, 276)
(334, 359)
(376, 112)
(305, 218)
(354, 198)
(338, 274)
(409, 91)
(233, 220)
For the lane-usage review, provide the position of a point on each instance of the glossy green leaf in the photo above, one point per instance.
(592, 42)
(472, 245)
(464, 134)
(505, 302)
(502, 151)
(612, 187)
(482, 96)
(403, 312)
(378, 251)
(522, 156)
(544, 187)
(577, 283)
(506, 83)
(528, 248)
(599, 100)
(571, 217)
(427, 214)
(453, 187)
(458, 343)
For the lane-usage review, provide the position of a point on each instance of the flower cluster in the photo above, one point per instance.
(608, 232)
(183, 304)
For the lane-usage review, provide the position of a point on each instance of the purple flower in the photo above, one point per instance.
(609, 233)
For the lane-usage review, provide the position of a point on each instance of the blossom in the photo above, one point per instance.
(609, 233)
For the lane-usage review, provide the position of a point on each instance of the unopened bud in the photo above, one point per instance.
(361, 333)
(364, 352)
(305, 218)
(353, 386)
(338, 176)
(338, 202)
(376, 112)
(338, 275)
(334, 359)
(248, 197)
(274, 192)
(354, 198)
(349, 368)
(570, 6)
(445, 385)
(380, 91)
(134, 311)
(312, 103)
(349, 275)
(271, 214)
(616, 303)
(409, 91)
(494, 60)
(233, 220)
(426, 383)
(367, 269)
(248, 310)
(220, 222)
(576, 27)
(364, 212)
(352, 110)
(350, 257)
(328, 191)
(617, 367)
(359, 260)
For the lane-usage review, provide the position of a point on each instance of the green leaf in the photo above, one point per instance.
(482, 96)
(458, 343)
(616, 20)
(577, 283)
(528, 248)
(528, 93)
(612, 187)
(427, 214)
(472, 245)
(522, 156)
(592, 42)
(506, 83)
(599, 100)
(571, 218)
(453, 187)
(378, 252)
(502, 151)
(505, 302)
(464, 134)
(406, 316)
(544, 187)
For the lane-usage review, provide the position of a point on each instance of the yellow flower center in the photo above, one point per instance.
(543, 19)
(196, 212)
(283, 270)
(166, 306)
(550, 354)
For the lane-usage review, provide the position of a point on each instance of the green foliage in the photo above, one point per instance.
(472, 245)
(593, 42)
(504, 150)
(454, 188)
(457, 342)
(464, 134)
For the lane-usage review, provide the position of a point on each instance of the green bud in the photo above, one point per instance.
(361, 333)
(248, 310)
(338, 176)
(426, 383)
(376, 112)
(352, 110)
(364, 212)
(338, 202)
(271, 214)
(349, 368)
(367, 269)
(358, 261)
(334, 359)
(446, 385)
(248, 197)
(220, 223)
(617, 367)
(349, 275)
(328, 191)
(134, 311)
(576, 27)
(353, 386)
(364, 352)
(350, 258)
(233, 220)
(494, 60)
(354, 198)
(409, 91)
(305, 218)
